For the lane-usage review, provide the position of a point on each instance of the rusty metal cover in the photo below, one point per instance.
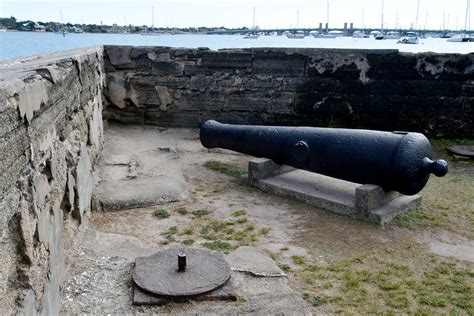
(462, 150)
(205, 271)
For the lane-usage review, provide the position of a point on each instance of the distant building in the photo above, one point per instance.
(39, 28)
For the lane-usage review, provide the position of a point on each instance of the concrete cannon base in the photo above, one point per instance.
(366, 202)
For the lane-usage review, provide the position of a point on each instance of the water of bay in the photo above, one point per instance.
(18, 44)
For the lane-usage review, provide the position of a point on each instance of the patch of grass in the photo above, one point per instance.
(161, 214)
(397, 299)
(188, 231)
(188, 242)
(201, 213)
(217, 245)
(172, 230)
(285, 267)
(216, 225)
(309, 279)
(388, 285)
(376, 284)
(299, 260)
(418, 217)
(169, 238)
(239, 235)
(250, 227)
(264, 230)
(318, 300)
(182, 210)
(239, 213)
(225, 168)
(241, 300)
(285, 248)
(242, 220)
(273, 255)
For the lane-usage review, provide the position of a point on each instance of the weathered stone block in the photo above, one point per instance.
(393, 66)
(202, 83)
(468, 88)
(119, 56)
(373, 87)
(234, 117)
(282, 102)
(129, 115)
(446, 88)
(162, 68)
(173, 82)
(192, 70)
(446, 66)
(226, 59)
(278, 63)
(172, 119)
(198, 102)
(145, 98)
(262, 83)
(304, 84)
(310, 102)
(246, 101)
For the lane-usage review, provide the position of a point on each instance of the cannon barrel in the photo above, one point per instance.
(397, 161)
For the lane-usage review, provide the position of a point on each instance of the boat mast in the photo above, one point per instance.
(152, 19)
(297, 18)
(363, 19)
(253, 25)
(327, 15)
(397, 21)
(426, 20)
(468, 9)
(381, 28)
(417, 12)
(444, 20)
(62, 23)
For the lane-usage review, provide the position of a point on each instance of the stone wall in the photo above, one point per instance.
(50, 137)
(375, 89)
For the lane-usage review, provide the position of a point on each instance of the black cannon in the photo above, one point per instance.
(397, 161)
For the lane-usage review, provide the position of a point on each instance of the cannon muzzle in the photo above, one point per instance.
(397, 161)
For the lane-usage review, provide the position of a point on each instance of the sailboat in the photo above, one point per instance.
(59, 29)
(326, 34)
(380, 35)
(152, 33)
(412, 36)
(463, 37)
(252, 35)
(296, 34)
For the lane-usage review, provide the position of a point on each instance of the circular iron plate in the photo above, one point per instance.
(158, 273)
(462, 150)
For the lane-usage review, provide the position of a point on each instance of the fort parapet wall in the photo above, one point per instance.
(51, 124)
(375, 89)
(50, 138)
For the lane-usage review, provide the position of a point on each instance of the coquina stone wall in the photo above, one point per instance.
(50, 137)
(376, 89)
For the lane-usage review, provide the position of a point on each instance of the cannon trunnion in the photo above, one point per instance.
(396, 161)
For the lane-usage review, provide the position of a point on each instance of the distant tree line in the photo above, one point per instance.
(13, 24)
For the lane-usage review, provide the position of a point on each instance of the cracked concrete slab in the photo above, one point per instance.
(254, 261)
(134, 174)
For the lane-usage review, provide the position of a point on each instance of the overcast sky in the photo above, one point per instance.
(236, 13)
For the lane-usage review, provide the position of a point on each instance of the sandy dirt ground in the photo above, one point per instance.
(171, 162)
